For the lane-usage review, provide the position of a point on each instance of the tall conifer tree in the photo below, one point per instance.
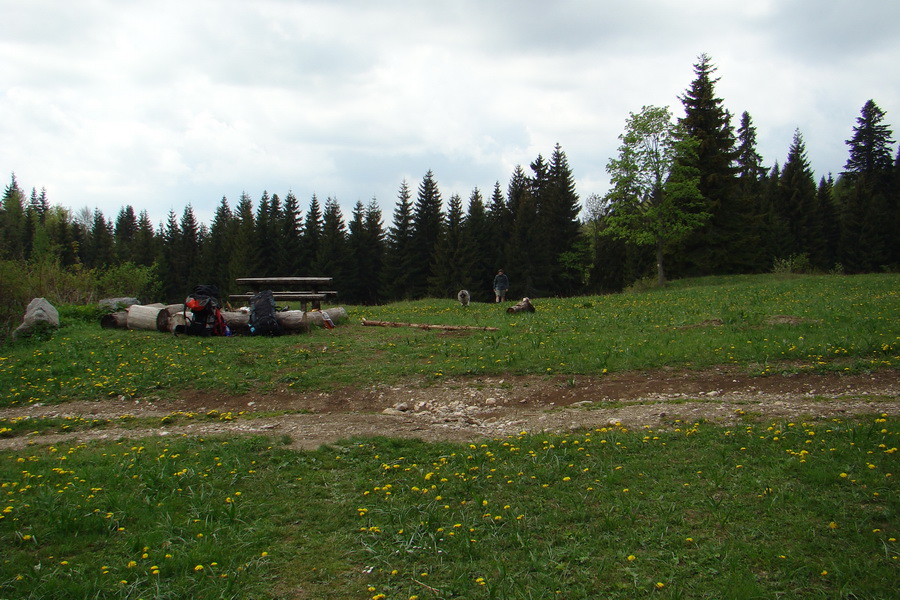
(454, 261)
(124, 234)
(12, 222)
(333, 259)
(399, 256)
(869, 204)
(217, 250)
(290, 241)
(709, 249)
(312, 236)
(797, 203)
(426, 234)
(478, 231)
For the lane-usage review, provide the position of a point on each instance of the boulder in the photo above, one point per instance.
(39, 313)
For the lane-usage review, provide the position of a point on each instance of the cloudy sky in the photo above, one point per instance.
(160, 104)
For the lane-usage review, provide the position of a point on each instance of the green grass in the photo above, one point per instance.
(836, 323)
(689, 510)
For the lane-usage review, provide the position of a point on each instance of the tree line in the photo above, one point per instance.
(691, 193)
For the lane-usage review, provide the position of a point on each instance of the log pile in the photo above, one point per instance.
(159, 317)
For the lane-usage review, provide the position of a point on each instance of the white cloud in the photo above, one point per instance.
(160, 104)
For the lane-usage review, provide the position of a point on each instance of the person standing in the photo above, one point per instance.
(501, 285)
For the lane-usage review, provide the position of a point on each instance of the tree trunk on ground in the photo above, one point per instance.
(116, 320)
(369, 323)
(143, 317)
(169, 317)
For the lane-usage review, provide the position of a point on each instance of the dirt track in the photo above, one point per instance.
(474, 409)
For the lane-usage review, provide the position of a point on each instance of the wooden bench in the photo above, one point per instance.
(314, 295)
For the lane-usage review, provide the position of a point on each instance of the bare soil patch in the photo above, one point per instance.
(474, 409)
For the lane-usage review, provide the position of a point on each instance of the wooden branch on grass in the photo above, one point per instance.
(426, 326)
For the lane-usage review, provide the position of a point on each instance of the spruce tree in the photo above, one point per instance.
(797, 203)
(454, 260)
(290, 240)
(869, 211)
(172, 286)
(189, 274)
(559, 210)
(747, 248)
(12, 222)
(333, 259)
(265, 240)
(243, 260)
(870, 146)
(709, 249)
(399, 255)
(499, 226)
(478, 231)
(370, 264)
(352, 291)
(217, 250)
(312, 236)
(831, 230)
(426, 234)
(145, 241)
(100, 247)
(124, 234)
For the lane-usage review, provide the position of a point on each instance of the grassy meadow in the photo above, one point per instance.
(767, 324)
(805, 509)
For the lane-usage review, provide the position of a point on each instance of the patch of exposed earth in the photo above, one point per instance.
(473, 409)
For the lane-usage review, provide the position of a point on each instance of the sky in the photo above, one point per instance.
(157, 105)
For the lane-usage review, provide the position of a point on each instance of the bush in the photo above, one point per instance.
(21, 281)
(795, 263)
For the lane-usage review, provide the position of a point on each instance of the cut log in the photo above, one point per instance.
(370, 323)
(142, 317)
(116, 320)
(523, 305)
(169, 317)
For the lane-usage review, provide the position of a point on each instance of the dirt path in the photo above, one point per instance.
(474, 409)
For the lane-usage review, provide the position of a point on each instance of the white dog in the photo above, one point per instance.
(463, 297)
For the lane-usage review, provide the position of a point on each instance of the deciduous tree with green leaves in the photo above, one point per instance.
(655, 200)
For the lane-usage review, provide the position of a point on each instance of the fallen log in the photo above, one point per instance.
(523, 305)
(371, 323)
(116, 320)
(142, 317)
(169, 317)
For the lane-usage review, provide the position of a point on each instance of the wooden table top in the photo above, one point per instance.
(283, 280)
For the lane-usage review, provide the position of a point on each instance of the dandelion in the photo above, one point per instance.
(198, 568)
(660, 585)
(631, 557)
(833, 525)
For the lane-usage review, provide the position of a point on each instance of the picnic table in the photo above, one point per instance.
(307, 289)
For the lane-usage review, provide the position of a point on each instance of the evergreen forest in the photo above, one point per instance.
(734, 214)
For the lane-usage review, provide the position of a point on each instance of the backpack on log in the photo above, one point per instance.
(262, 314)
(202, 314)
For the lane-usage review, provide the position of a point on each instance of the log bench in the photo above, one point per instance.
(313, 295)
